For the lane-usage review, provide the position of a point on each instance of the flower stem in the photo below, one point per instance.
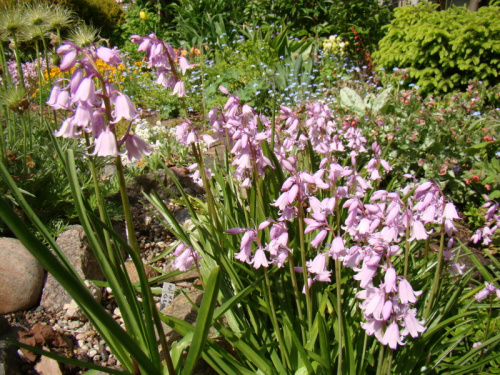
(487, 332)
(300, 218)
(149, 305)
(437, 276)
(18, 61)
(380, 364)
(407, 249)
(338, 281)
(277, 330)
(296, 293)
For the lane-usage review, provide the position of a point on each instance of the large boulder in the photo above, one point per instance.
(21, 277)
(74, 244)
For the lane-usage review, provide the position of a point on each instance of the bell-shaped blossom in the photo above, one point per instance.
(412, 326)
(392, 336)
(105, 144)
(406, 293)
(318, 265)
(98, 123)
(85, 91)
(390, 280)
(68, 61)
(136, 147)
(184, 64)
(489, 289)
(83, 115)
(179, 89)
(259, 259)
(456, 268)
(59, 99)
(110, 56)
(76, 79)
(185, 257)
(54, 93)
(68, 130)
(124, 109)
(374, 327)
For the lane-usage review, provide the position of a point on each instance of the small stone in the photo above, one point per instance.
(74, 324)
(92, 353)
(21, 277)
(80, 336)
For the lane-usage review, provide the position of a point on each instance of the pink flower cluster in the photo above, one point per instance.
(186, 257)
(95, 109)
(162, 57)
(368, 240)
(492, 219)
(489, 290)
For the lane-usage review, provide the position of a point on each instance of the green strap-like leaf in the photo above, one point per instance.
(204, 320)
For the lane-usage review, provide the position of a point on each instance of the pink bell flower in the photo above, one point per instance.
(68, 61)
(124, 108)
(392, 337)
(68, 129)
(109, 56)
(489, 289)
(260, 260)
(105, 144)
(136, 147)
(85, 91)
(179, 89)
(184, 64)
(406, 293)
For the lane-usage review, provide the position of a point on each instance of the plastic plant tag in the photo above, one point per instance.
(167, 295)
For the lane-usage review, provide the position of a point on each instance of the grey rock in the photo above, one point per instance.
(181, 308)
(75, 245)
(21, 277)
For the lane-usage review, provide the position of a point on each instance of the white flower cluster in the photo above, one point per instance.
(334, 45)
(156, 135)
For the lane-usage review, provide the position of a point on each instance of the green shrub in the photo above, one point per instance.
(443, 51)
(105, 15)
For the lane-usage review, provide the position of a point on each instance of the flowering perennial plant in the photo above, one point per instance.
(367, 230)
(162, 57)
(492, 219)
(96, 105)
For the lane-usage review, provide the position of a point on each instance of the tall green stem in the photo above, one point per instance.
(18, 61)
(380, 364)
(297, 294)
(277, 328)
(437, 276)
(487, 331)
(338, 281)
(303, 259)
(149, 306)
(407, 250)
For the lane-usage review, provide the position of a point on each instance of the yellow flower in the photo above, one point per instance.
(143, 15)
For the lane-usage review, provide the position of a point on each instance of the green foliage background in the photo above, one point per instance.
(443, 50)
(105, 15)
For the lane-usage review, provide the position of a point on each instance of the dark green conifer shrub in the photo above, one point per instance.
(443, 51)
